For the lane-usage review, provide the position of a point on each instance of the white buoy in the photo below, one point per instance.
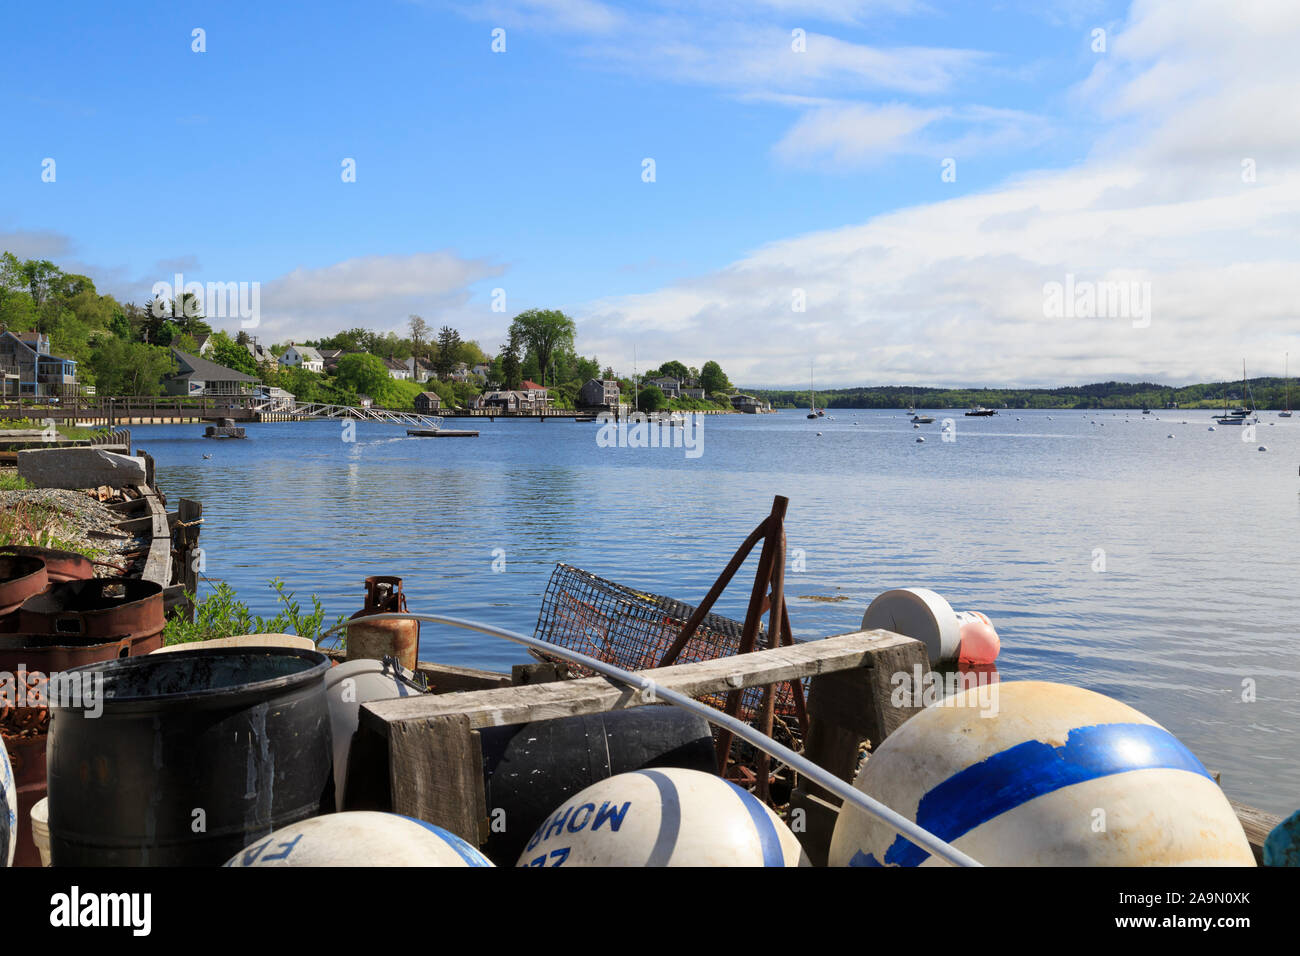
(1030, 773)
(666, 817)
(1263, 448)
(8, 810)
(360, 838)
(1169, 436)
(347, 687)
(819, 434)
(920, 440)
(1212, 428)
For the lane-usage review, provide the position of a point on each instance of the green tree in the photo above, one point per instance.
(226, 352)
(651, 399)
(363, 374)
(448, 345)
(673, 370)
(419, 335)
(542, 332)
(130, 368)
(713, 379)
(511, 373)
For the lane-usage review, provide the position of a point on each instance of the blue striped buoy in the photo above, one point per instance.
(666, 817)
(1029, 773)
(8, 810)
(360, 838)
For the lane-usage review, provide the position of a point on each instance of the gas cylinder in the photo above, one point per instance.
(380, 639)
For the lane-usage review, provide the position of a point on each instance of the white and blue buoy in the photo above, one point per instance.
(8, 810)
(360, 838)
(1030, 773)
(664, 817)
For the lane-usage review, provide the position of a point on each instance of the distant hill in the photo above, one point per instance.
(1267, 393)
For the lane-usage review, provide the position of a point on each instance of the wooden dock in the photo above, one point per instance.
(441, 433)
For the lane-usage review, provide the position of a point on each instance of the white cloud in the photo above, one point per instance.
(952, 292)
(375, 292)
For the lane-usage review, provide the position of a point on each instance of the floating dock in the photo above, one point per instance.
(441, 433)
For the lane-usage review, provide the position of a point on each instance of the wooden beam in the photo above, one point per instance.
(158, 565)
(592, 695)
(435, 769)
(1258, 825)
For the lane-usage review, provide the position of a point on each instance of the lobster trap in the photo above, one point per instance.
(638, 630)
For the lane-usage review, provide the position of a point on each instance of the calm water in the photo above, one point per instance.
(1199, 534)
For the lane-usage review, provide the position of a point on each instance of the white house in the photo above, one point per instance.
(303, 356)
(421, 370)
(397, 370)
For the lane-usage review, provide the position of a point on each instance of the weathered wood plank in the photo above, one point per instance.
(1257, 824)
(518, 705)
(435, 771)
(158, 564)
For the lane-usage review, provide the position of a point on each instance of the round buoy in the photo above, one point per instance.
(819, 434)
(920, 441)
(1263, 448)
(917, 613)
(8, 810)
(360, 838)
(1169, 436)
(1212, 428)
(1030, 773)
(668, 817)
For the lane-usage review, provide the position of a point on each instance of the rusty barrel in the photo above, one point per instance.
(380, 639)
(60, 566)
(30, 659)
(97, 610)
(192, 757)
(21, 577)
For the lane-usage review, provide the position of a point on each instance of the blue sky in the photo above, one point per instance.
(522, 170)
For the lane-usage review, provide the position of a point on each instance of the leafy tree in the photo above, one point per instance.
(419, 334)
(186, 343)
(542, 331)
(364, 374)
(226, 352)
(130, 368)
(651, 399)
(673, 370)
(713, 380)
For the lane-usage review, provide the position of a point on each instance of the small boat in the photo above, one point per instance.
(979, 411)
(1243, 414)
(922, 420)
(812, 399)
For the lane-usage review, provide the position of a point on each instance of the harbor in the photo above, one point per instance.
(414, 780)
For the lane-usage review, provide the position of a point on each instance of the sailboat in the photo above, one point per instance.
(1243, 413)
(812, 401)
(1287, 412)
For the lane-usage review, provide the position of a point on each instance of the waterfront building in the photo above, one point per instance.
(30, 371)
(599, 393)
(197, 377)
(427, 402)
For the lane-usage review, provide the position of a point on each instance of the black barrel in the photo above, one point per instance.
(195, 756)
(531, 769)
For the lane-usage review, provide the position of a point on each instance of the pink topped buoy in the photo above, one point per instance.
(979, 643)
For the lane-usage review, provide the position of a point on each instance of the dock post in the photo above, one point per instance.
(846, 708)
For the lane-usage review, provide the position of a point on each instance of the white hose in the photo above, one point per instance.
(651, 692)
